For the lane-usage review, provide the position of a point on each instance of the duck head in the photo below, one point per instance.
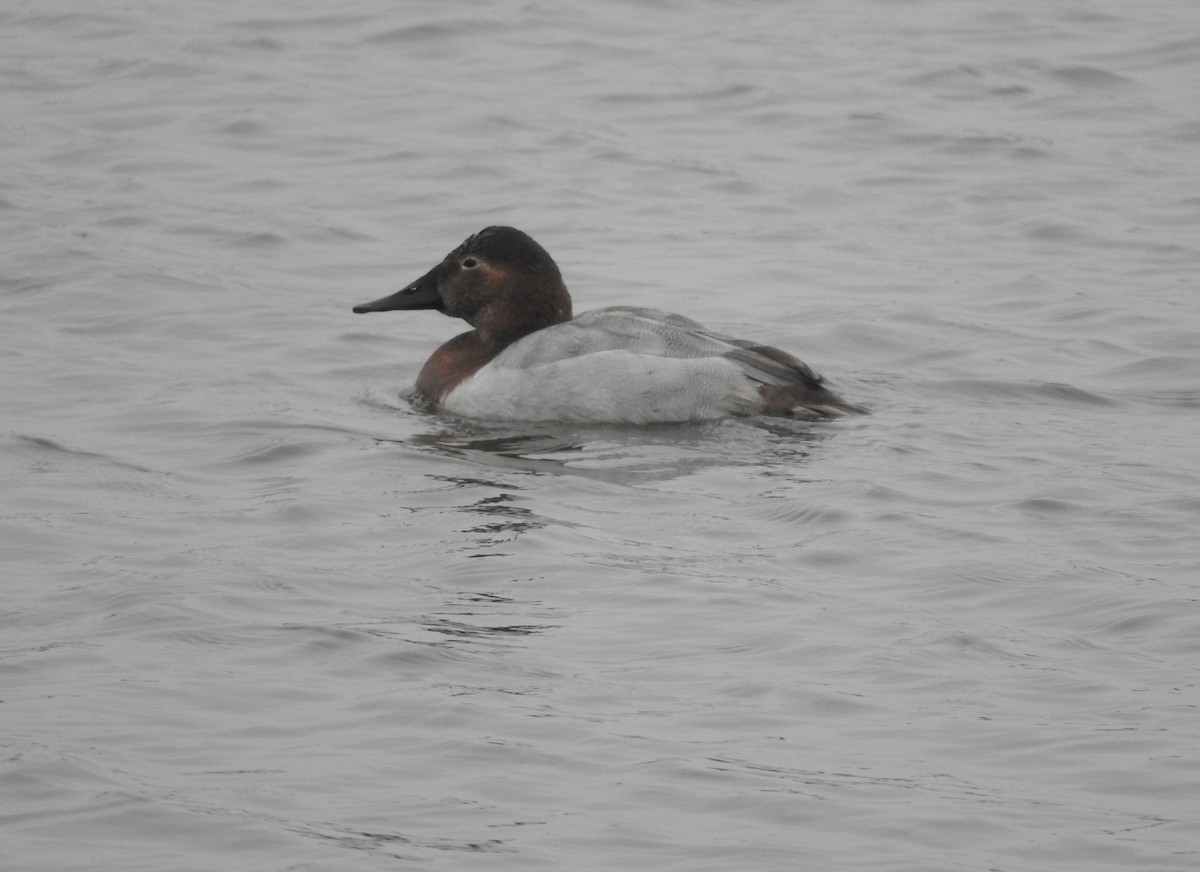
(500, 281)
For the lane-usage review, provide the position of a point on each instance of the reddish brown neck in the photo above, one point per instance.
(521, 309)
(454, 361)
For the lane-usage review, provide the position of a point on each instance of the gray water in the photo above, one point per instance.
(260, 613)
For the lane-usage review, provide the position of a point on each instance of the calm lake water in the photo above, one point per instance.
(260, 613)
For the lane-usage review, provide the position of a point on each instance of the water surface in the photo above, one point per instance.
(262, 613)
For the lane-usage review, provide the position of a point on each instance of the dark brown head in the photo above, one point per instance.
(500, 281)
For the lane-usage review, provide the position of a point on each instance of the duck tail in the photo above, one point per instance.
(812, 400)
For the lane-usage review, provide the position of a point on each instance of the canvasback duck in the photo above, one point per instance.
(527, 359)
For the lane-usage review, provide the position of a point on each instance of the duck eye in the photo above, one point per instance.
(470, 263)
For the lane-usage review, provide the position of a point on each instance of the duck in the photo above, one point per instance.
(526, 358)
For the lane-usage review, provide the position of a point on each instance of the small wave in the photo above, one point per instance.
(44, 448)
(1034, 391)
(1090, 77)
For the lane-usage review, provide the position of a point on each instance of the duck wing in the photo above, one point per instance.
(786, 384)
